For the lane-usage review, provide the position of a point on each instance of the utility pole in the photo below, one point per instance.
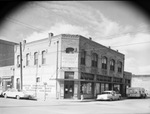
(21, 77)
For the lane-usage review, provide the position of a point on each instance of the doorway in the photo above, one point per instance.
(68, 89)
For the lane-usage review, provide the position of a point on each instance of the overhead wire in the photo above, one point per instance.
(24, 24)
(86, 50)
(39, 30)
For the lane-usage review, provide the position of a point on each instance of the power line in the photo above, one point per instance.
(24, 56)
(115, 35)
(132, 44)
(24, 24)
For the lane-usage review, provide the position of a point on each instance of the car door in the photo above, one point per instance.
(12, 93)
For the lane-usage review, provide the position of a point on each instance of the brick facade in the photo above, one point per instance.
(64, 74)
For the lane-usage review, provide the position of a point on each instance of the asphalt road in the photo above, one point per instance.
(127, 106)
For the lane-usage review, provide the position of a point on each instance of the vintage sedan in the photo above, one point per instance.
(109, 95)
(17, 94)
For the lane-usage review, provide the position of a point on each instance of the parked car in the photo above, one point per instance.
(137, 92)
(17, 94)
(109, 95)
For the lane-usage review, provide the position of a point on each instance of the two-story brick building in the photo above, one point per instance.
(66, 66)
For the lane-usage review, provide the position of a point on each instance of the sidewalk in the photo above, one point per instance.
(65, 100)
(61, 101)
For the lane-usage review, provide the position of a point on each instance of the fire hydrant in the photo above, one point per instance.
(82, 97)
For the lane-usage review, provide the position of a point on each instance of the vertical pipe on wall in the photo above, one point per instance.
(57, 69)
(21, 76)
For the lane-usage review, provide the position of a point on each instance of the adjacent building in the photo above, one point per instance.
(6, 64)
(67, 66)
(141, 81)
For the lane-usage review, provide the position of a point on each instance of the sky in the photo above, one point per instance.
(117, 24)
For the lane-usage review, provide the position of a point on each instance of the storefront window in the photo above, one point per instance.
(102, 87)
(106, 87)
(97, 88)
(86, 88)
(69, 75)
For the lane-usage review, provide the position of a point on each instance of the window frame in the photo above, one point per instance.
(120, 67)
(43, 57)
(104, 62)
(83, 57)
(112, 65)
(18, 60)
(94, 60)
(35, 58)
(27, 59)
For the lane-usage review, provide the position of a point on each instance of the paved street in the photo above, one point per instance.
(127, 106)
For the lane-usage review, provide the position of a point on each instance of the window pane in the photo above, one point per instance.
(69, 75)
(86, 88)
(43, 57)
(35, 58)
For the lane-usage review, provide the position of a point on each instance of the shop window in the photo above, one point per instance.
(69, 75)
(97, 88)
(106, 87)
(43, 57)
(94, 60)
(102, 87)
(87, 76)
(112, 65)
(104, 62)
(86, 88)
(35, 58)
(83, 57)
(27, 59)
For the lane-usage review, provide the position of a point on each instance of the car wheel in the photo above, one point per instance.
(17, 97)
(5, 96)
(30, 97)
(119, 98)
(111, 99)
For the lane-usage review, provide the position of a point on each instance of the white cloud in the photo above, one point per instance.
(136, 48)
(90, 22)
(59, 28)
(144, 70)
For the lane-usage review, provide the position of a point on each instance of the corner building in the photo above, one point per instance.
(66, 66)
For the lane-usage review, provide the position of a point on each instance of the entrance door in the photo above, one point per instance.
(68, 89)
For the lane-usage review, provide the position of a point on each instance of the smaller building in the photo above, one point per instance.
(127, 81)
(141, 81)
(6, 64)
(6, 77)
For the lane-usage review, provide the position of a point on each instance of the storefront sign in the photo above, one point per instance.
(70, 60)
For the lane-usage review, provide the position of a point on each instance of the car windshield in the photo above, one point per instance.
(105, 93)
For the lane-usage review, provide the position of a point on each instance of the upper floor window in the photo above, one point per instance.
(27, 59)
(83, 56)
(18, 60)
(94, 60)
(70, 50)
(112, 65)
(43, 57)
(104, 62)
(35, 58)
(120, 67)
